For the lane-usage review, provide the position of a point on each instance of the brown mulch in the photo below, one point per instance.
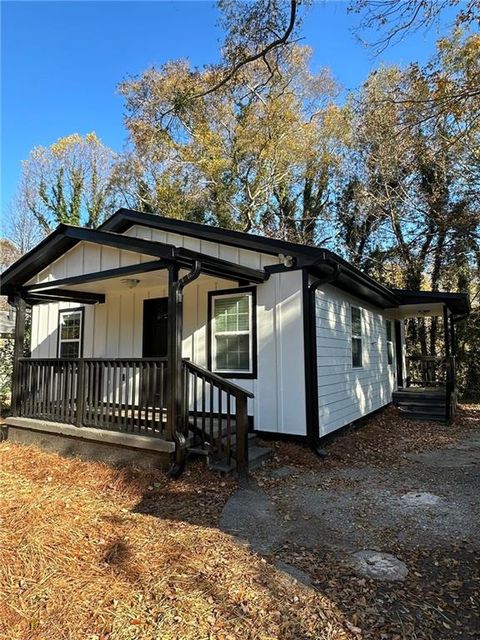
(86, 555)
(384, 440)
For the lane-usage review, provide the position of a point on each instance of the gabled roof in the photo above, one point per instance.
(66, 237)
(123, 219)
(316, 260)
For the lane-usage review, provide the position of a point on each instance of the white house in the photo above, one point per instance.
(180, 336)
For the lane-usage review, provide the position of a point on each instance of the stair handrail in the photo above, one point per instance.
(241, 396)
(219, 380)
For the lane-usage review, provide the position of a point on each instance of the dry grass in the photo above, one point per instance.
(90, 552)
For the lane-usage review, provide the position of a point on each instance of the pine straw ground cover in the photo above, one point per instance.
(95, 553)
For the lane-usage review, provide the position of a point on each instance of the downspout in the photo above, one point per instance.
(313, 424)
(175, 364)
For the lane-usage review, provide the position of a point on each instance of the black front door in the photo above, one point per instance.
(155, 328)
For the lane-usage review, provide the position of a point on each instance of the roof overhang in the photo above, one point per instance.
(65, 237)
(353, 281)
(427, 303)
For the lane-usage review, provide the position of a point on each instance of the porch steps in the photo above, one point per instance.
(256, 454)
(421, 404)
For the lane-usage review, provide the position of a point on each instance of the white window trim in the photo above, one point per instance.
(64, 312)
(356, 336)
(214, 333)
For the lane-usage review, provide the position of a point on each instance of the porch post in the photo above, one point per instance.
(18, 349)
(174, 351)
(446, 331)
(453, 344)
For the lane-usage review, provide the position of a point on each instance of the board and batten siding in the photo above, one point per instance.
(347, 393)
(115, 329)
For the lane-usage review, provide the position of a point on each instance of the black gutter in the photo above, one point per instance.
(175, 379)
(310, 352)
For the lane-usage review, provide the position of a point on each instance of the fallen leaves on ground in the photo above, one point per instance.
(90, 552)
(439, 599)
(384, 440)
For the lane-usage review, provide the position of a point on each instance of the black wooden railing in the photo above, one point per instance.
(426, 371)
(121, 394)
(130, 395)
(217, 415)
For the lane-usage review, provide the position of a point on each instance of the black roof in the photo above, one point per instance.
(458, 303)
(316, 260)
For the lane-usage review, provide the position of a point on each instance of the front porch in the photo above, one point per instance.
(88, 320)
(129, 398)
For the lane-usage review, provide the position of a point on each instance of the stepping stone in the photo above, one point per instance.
(421, 499)
(380, 566)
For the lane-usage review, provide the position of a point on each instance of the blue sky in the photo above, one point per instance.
(62, 61)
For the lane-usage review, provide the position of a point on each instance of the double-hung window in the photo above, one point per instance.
(232, 333)
(389, 342)
(356, 320)
(70, 333)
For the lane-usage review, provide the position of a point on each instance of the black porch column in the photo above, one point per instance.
(177, 403)
(446, 330)
(18, 350)
(453, 344)
(399, 352)
(174, 352)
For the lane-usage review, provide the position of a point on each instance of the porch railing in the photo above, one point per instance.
(120, 394)
(217, 415)
(130, 395)
(426, 371)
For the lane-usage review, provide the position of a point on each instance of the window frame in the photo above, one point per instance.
(390, 348)
(81, 311)
(253, 350)
(356, 336)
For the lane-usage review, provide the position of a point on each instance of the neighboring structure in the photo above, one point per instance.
(185, 335)
(7, 323)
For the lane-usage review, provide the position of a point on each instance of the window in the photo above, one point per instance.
(389, 342)
(70, 333)
(356, 316)
(232, 332)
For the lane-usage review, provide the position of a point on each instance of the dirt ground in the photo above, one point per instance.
(416, 498)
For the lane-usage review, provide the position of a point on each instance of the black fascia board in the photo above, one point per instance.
(64, 238)
(123, 219)
(458, 303)
(218, 267)
(353, 281)
(306, 255)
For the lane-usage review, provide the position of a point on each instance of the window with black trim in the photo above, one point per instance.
(70, 333)
(356, 318)
(389, 330)
(232, 332)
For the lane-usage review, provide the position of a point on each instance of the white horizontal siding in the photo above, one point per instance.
(345, 393)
